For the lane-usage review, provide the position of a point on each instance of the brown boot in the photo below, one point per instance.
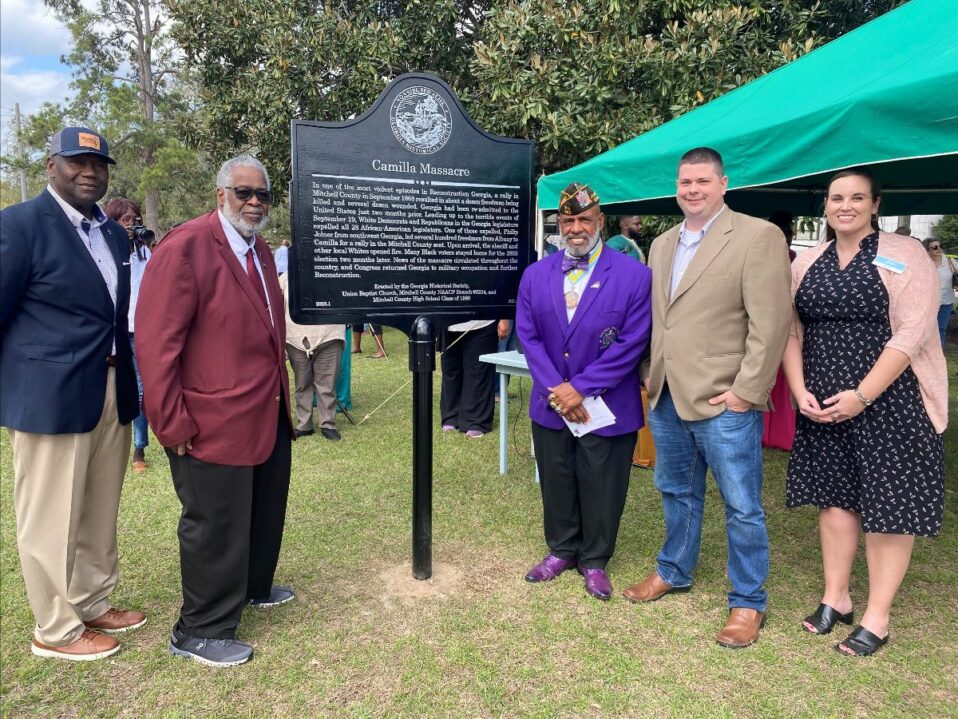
(651, 588)
(89, 647)
(742, 628)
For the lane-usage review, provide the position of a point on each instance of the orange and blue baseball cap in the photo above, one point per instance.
(72, 141)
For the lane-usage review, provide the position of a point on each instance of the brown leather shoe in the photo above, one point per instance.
(742, 628)
(114, 621)
(651, 588)
(90, 646)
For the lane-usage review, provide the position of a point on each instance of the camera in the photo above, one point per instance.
(141, 235)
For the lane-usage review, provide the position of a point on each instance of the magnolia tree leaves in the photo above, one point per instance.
(578, 77)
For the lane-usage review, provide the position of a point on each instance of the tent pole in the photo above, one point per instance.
(540, 231)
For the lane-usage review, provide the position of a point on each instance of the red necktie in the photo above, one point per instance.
(254, 278)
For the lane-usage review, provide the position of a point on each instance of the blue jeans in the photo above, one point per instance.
(731, 446)
(141, 429)
(944, 315)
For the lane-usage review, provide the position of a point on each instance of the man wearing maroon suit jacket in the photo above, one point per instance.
(210, 342)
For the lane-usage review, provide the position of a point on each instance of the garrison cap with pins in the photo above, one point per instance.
(72, 141)
(576, 199)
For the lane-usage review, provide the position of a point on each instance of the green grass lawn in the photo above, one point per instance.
(363, 639)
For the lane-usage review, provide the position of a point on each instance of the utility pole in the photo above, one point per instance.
(20, 157)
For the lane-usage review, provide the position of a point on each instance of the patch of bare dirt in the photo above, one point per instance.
(400, 587)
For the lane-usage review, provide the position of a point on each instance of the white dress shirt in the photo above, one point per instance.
(241, 246)
(137, 268)
(281, 258)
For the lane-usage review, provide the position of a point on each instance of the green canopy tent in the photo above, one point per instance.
(884, 95)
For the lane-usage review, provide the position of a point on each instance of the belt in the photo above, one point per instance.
(111, 360)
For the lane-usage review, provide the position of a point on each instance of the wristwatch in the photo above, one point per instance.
(862, 398)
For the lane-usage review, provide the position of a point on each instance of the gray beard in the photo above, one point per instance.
(576, 252)
(246, 229)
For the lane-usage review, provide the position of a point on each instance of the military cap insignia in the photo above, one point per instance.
(577, 198)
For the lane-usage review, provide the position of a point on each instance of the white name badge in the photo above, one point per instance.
(889, 264)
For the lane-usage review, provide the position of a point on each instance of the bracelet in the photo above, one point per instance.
(862, 398)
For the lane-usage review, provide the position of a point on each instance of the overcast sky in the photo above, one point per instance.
(31, 42)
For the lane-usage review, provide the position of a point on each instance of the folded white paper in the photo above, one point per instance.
(599, 416)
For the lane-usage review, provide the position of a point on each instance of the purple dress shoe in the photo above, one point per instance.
(549, 568)
(597, 583)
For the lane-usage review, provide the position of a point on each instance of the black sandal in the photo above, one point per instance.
(862, 643)
(825, 618)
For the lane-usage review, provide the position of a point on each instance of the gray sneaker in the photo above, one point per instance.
(212, 652)
(278, 594)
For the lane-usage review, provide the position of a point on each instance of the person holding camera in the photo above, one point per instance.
(127, 214)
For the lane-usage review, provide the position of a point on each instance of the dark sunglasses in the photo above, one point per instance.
(244, 193)
(934, 247)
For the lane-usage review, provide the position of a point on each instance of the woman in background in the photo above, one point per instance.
(377, 333)
(947, 269)
(127, 214)
(866, 369)
(466, 399)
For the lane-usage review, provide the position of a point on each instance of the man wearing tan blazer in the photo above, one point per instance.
(720, 316)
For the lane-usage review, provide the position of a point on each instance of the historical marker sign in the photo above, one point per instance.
(409, 210)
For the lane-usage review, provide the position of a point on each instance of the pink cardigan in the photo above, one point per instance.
(913, 308)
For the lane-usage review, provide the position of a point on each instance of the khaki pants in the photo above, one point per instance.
(67, 495)
(317, 371)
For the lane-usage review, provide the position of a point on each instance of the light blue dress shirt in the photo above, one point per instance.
(685, 250)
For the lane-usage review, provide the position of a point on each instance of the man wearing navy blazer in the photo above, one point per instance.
(584, 320)
(211, 350)
(67, 396)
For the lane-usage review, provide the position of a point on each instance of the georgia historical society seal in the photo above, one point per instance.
(420, 120)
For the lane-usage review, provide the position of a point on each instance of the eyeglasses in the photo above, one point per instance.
(244, 193)
(934, 247)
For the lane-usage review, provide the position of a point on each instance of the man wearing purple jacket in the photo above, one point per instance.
(584, 320)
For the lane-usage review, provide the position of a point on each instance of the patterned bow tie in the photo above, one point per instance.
(574, 263)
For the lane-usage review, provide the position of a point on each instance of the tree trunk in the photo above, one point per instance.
(144, 52)
(151, 201)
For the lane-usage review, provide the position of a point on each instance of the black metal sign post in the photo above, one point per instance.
(422, 363)
(411, 216)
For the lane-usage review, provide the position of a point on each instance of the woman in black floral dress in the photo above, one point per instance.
(869, 379)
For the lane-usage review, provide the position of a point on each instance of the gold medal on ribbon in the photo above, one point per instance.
(571, 299)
